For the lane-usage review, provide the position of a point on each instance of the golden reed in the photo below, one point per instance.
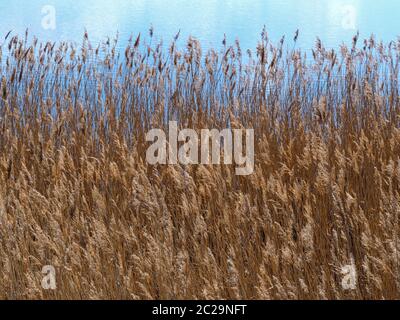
(76, 192)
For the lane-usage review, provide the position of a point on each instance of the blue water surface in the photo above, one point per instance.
(334, 21)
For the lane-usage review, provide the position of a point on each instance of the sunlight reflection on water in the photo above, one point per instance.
(334, 21)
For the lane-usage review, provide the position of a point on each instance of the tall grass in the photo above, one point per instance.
(77, 193)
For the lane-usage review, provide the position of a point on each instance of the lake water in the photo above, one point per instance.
(334, 21)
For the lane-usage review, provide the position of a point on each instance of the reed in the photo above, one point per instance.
(77, 193)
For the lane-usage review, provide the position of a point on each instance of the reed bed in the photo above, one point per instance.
(76, 191)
